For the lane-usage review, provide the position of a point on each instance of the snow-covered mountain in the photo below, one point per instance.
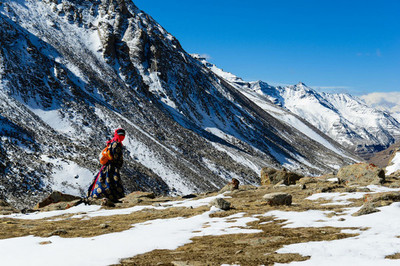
(345, 118)
(73, 71)
(385, 101)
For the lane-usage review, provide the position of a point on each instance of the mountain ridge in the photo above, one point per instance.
(343, 117)
(73, 71)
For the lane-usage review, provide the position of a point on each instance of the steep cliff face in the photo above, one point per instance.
(72, 71)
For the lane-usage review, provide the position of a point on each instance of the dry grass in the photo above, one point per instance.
(243, 249)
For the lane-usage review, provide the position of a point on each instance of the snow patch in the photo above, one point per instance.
(395, 164)
(55, 121)
(68, 177)
(153, 234)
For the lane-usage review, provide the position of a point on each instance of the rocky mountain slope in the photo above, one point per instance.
(383, 158)
(73, 71)
(343, 117)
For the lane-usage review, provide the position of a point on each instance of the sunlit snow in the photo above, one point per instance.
(395, 166)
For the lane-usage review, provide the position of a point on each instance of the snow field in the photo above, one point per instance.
(141, 238)
(378, 234)
(378, 237)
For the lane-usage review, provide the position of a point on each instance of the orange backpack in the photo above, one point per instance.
(105, 156)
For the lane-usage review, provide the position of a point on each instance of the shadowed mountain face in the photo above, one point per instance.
(73, 71)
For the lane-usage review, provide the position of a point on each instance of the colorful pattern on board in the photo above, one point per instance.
(107, 183)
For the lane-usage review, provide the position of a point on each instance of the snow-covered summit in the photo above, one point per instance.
(345, 118)
(220, 72)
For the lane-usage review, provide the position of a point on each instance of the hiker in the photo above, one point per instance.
(107, 183)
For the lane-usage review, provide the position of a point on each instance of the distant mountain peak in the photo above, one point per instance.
(343, 117)
(301, 84)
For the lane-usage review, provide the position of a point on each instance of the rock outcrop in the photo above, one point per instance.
(361, 174)
(231, 186)
(221, 203)
(271, 176)
(276, 199)
(58, 197)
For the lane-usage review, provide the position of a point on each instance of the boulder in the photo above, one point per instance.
(221, 204)
(55, 197)
(392, 196)
(271, 176)
(138, 195)
(327, 178)
(231, 186)
(361, 174)
(276, 199)
(63, 205)
(366, 209)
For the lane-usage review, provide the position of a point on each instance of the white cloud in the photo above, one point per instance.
(389, 101)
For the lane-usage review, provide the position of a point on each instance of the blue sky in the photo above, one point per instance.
(340, 46)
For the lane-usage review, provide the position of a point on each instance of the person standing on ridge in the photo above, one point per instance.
(107, 183)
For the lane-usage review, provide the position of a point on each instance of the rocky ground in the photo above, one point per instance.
(243, 249)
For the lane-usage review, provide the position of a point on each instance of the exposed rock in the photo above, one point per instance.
(233, 185)
(104, 226)
(395, 175)
(273, 176)
(93, 201)
(6, 208)
(331, 178)
(357, 189)
(4, 203)
(107, 202)
(366, 209)
(56, 197)
(395, 256)
(137, 197)
(61, 205)
(221, 204)
(384, 196)
(266, 175)
(260, 240)
(280, 183)
(189, 196)
(58, 232)
(330, 188)
(361, 174)
(308, 180)
(275, 199)
(139, 194)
